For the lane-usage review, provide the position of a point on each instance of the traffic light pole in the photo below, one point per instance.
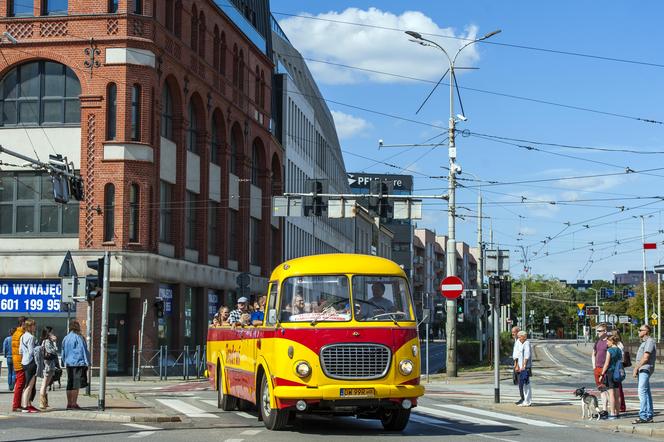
(103, 353)
(88, 333)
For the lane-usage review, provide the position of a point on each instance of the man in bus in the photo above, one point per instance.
(377, 304)
(242, 307)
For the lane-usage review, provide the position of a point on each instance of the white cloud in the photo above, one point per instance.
(527, 231)
(376, 49)
(348, 125)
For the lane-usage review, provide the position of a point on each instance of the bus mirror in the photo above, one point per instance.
(272, 316)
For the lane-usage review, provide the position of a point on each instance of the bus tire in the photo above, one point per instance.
(273, 418)
(224, 401)
(395, 419)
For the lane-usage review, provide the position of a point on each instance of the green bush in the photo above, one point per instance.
(506, 344)
(468, 353)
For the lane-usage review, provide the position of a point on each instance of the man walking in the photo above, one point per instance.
(18, 366)
(516, 349)
(524, 365)
(643, 370)
(599, 356)
(7, 352)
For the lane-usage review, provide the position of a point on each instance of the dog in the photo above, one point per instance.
(589, 405)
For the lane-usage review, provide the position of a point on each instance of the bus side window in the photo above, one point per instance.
(271, 310)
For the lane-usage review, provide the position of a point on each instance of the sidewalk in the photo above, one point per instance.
(121, 403)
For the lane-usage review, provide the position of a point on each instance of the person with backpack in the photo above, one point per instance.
(613, 373)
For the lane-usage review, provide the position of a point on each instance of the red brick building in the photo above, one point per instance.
(164, 107)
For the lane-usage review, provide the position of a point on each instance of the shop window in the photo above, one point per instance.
(27, 207)
(134, 210)
(190, 220)
(165, 212)
(109, 212)
(20, 8)
(40, 93)
(136, 112)
(213, 221)
(54, 7)
(167, 113)
(111, 111)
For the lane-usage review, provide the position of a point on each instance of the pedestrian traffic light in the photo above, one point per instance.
(76, 187)
(94, 283)
(159, 308)
(315, 205)
(460, 306)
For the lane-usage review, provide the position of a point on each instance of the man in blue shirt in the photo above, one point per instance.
(7, 352)
(258, 316)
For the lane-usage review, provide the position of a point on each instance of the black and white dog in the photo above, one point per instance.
(589, 405)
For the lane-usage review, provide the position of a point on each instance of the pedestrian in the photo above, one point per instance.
(644, 367)
(49, 348)
(621, 394)
(7, 352)
(27, 352)
(515, 360)
(18, 367)
(76, 358)
(598, 359)
(613, 355)
(524, 366)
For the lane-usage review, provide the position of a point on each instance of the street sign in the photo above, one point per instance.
(635, 321)
(451, 287)
(654, 322)
(243, 279)
(580, 305)
(631, 294)
(613, 319)
(546, 319)
(623, 319)
(592, 310)
(654, 316)
(581, 313)
(67, 268)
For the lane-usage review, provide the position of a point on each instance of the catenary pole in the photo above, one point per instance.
(480, 273)
(645, 279)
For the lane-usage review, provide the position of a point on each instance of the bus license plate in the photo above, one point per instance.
(357, 392)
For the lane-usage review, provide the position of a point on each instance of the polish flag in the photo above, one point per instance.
(649, 245)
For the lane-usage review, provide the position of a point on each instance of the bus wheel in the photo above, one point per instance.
(224, 401)
(395, 420)
(273, 418)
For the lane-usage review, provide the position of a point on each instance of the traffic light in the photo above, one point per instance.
(76, 187)
(460, 306)
(505, 292)
(625, 294)
(60, 182)
(379, 204)
(159, 308)
(494, 288)
(315, 205)
(602, 293)
(439, 311)
(592, 310)
(94, 283)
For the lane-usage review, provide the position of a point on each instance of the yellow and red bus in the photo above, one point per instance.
(339, 337)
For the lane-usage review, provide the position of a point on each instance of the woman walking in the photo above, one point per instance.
(49, 349)
(613, 355)
(27, 352)
(76, 358)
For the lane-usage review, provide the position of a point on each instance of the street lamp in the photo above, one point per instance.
(454, 169)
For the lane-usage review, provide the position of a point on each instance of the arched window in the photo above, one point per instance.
(257, 85)
(234, 151)
(240, 80)
(134, 205)
(192, 132)
(262, 96)
(111, 111)
(222, 54)
(215, 48)
(109, 212)
(169, 12)
(215, 140)
(255, 166)
(167, 113)
(40, 92)
(194, 29)
(177, 18)
(201, 35)
(136, 112)
(236, 65)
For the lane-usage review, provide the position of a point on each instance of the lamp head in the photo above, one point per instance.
(462, 117)
(414, 34)
(491, 34)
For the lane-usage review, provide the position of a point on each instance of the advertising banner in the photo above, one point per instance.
(30, 296)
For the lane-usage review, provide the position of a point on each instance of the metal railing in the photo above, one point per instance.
(187, 363)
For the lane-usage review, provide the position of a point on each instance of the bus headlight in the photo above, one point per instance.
(302, 369)
(406, 367)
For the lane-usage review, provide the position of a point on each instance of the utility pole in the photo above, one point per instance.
(103, 351)
(659, 307)
(480, 273)
(524, 325)
(645, 279)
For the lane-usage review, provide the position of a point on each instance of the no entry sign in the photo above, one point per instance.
(451, 287)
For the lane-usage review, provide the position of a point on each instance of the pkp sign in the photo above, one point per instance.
(451, 287)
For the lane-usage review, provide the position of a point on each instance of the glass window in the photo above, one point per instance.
(7, 185)
(109, 212)
(20, 8)
(194, 29)
(315, 299)
(136, 112)
(381, 298)
(213, 220)
(138, 6)
(27, 187)
(54, 7)
(166, 114)
(134, 206)
(49, 218)
(232, 235)
(192, 132)
(165, 212)
(255, 168)
(254, 233)
(190, 221)
(25, 219)
(113, 6)
(271, 310)
(6, 219)
(70, 219)
(215, 142)
(177, 18)
(111, 111)
(234, 150)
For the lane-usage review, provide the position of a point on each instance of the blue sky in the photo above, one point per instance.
(525, 62)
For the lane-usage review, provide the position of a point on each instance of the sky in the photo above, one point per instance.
(568, 90)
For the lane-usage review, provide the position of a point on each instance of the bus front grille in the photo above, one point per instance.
(355, 361)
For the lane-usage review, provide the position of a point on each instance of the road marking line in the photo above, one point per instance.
(250, 432)
(461, 417)
(493, 414)
(186, 409)
(233, 440)
(210, 402)
(141, 434)
(439, 423)
(246, 415)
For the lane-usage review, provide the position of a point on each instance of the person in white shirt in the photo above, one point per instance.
(524, 364)
(516, 349)
(26, 350)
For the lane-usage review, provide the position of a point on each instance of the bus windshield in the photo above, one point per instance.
(381, 298)
(315, 299)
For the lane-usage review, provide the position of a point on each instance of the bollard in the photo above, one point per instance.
(133, 362)
(161, 377)
(198, 361)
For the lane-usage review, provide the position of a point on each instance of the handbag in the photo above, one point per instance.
(627, 360)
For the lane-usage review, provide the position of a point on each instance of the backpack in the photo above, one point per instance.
(619, 371)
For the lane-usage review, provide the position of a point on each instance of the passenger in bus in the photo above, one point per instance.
(377, 303)
(298, 305)
(221, 317)
(258, 315)
(242, 308)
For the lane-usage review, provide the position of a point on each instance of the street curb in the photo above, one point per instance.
(642, 429)
(110, 417)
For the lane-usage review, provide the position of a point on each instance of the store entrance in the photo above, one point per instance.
(118, 334)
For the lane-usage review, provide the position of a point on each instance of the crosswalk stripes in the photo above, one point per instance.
(461, 417)
(148, 430)
(495, 415)
(186, 409)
